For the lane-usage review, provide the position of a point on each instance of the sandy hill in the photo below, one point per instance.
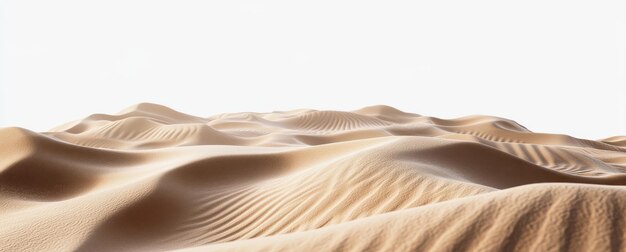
(150, 178)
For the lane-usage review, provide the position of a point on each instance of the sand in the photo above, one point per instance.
(150, 178)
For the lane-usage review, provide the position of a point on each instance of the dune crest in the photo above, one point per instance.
(151, 178)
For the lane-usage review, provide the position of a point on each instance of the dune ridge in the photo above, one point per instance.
(153, 179)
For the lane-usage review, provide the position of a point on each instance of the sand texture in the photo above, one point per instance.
(377, 179)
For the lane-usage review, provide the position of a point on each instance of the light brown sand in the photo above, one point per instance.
(151, 178)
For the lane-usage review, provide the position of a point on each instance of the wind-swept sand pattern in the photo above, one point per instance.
(151, 178)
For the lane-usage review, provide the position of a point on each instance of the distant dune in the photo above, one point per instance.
(375, 179)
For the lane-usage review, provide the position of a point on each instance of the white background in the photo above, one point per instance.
(553, 66)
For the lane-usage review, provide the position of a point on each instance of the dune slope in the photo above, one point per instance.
(152, 179)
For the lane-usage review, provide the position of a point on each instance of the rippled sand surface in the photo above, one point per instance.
(150, 178)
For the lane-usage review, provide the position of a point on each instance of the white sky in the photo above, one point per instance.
(553, 66)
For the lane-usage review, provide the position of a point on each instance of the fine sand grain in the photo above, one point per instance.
(151, 179)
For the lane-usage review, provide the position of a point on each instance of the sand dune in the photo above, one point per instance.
(150, 179)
